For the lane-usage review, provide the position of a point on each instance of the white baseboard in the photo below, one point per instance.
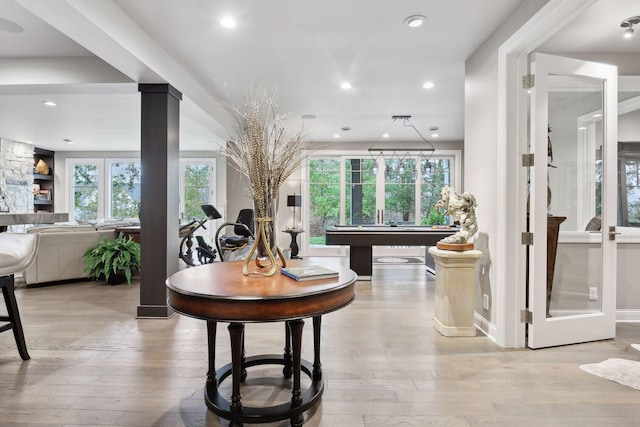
(485, 326)
(628, 316)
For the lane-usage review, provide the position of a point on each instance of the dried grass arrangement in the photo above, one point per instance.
(261, 149)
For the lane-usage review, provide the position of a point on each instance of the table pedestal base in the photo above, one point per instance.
(252, 414)
(293, 366)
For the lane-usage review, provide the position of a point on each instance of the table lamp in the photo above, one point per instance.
(294, 202)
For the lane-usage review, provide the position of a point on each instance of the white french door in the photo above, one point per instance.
(397, 196)
(568, 184)
(356, 188)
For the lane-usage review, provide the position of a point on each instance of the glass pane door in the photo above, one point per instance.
(434, 174)
(324, 200)
(400, 191)
(361, 207)
(363, 190)
(573, 201)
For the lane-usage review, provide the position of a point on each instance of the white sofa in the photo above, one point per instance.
(60, 251)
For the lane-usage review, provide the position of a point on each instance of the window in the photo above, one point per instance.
(436, 174)
(356, 189)
(124, 200)
(324, 197)
(629, 184)
(86, 188)
(197, 187)
(89, 197)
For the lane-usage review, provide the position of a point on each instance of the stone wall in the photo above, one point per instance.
(16, 176)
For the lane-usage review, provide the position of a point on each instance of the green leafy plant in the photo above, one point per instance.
(112, 257)
(434, 218)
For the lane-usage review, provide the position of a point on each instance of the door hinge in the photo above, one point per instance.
(528, 81)
(527, 160)
(526, 316)
(527, 238)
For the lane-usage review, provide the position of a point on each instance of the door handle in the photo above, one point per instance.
(613, 232)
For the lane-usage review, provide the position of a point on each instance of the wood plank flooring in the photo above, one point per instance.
(94, 364)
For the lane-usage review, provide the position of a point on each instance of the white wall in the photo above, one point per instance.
(485, 162)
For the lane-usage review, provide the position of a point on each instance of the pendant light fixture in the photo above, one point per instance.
(628, 24)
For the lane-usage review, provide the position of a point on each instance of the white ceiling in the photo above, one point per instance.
(303, 50)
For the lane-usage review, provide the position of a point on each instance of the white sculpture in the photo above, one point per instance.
(463, 208)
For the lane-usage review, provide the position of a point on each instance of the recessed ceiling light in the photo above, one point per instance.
(597, 115)
(582, 128)
(385, 135)
(345, 128)
(435, 135)
(308, 117)
(415, 20)
(68, 141)
(49, 103)
(10, 26)
(336, 135)
(345, 85)
(428, 85)
(228, 22)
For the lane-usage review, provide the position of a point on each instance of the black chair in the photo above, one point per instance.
(17, 252)
(243, 230)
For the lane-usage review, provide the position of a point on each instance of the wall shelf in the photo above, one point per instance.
(43, 184)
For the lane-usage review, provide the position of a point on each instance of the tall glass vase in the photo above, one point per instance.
(265, 248)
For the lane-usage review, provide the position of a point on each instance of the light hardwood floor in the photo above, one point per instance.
(94, 364)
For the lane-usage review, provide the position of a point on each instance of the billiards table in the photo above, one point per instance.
(361, 239)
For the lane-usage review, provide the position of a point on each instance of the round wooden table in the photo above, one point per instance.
(219, 292)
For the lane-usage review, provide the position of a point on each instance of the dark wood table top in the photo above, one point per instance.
(219, 291)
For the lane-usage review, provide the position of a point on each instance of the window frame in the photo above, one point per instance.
(455, 157)
(70, 165)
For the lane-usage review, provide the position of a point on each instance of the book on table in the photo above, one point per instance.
(309, 272)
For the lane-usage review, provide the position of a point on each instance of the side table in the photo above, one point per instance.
(219, 292)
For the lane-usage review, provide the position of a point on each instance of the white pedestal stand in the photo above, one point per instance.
(455, 285)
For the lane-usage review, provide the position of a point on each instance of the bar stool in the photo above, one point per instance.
(17, 252)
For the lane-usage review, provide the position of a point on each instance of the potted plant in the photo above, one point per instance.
(113, 260)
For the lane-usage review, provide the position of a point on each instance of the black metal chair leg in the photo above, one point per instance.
(7, 284)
